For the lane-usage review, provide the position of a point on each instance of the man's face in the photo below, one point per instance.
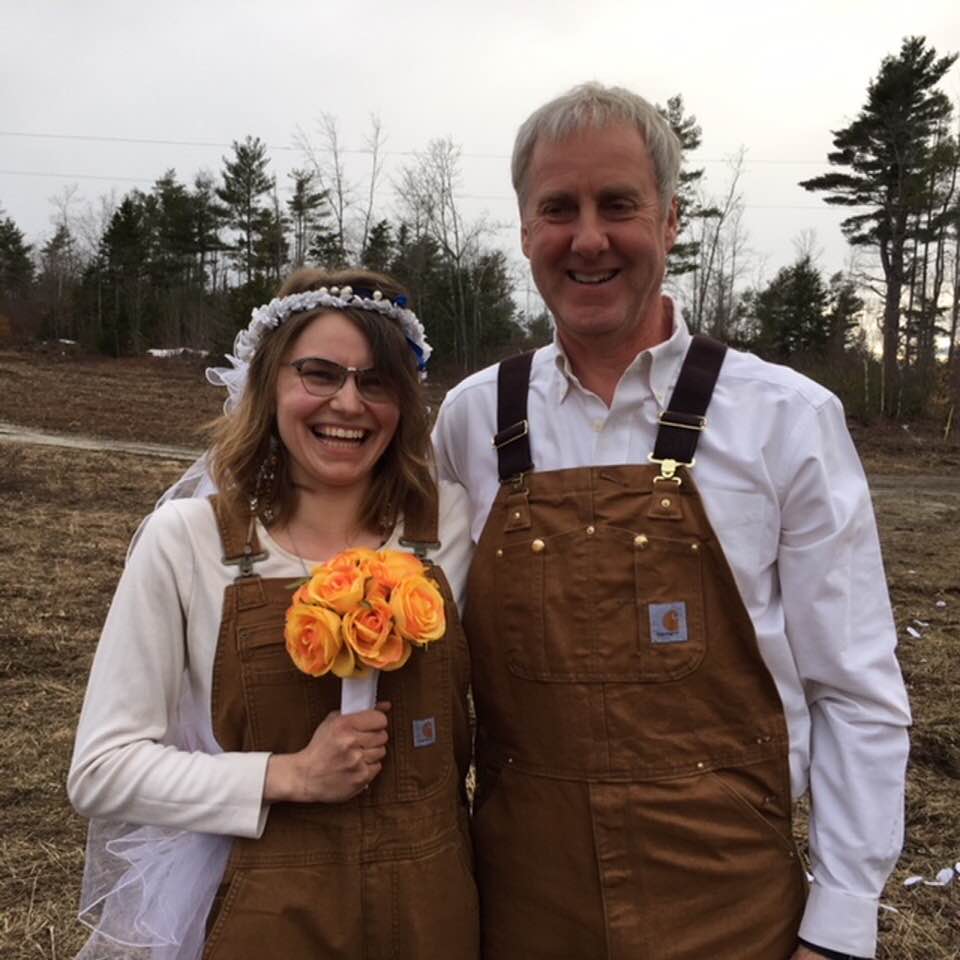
(595, 237)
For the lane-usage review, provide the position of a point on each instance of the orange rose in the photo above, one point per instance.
(315, 641)
(366, 629)
(393, 654)
(358, 557)
(338, 587)
(391, 566)
(417, 606)
(376, 589)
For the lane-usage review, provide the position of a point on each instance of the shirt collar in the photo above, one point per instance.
(665, 360)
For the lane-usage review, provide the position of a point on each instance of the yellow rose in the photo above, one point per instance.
(417, 606)
(391, 566)
(314, 640)
(338, 587)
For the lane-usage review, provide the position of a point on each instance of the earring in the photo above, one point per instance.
(263, 489)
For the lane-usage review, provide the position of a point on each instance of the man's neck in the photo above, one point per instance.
(599, 362)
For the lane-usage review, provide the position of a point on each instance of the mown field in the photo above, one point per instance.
(67, 515)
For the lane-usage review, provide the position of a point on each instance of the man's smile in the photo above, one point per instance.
(591, 279)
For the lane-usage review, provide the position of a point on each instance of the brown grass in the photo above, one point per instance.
(67, 517)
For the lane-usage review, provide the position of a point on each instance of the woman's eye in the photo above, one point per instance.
(321, 376)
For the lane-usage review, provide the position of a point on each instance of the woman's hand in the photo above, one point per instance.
(342, 758)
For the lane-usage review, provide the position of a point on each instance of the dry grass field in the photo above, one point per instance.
(67, 515)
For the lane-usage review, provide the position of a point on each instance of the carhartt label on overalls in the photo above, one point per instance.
(424, 732)
(668, 622)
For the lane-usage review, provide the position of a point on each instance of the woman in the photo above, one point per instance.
(272, 823)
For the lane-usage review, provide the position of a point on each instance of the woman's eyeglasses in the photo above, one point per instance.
(323, 378)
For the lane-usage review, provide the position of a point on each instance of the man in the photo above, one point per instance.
(677, 608)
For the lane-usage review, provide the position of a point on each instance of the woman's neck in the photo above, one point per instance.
(321, 523)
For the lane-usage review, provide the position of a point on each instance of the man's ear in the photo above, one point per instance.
(524, 238)
(671, 226)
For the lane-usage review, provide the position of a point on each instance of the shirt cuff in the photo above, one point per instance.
(840, 921)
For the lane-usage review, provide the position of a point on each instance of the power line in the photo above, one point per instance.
(75, 176)
(353, 150)
(460, 196)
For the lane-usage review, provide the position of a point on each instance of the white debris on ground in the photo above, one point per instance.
(176, 352)
(944, 878)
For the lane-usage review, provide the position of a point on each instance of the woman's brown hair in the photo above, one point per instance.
(242, 439)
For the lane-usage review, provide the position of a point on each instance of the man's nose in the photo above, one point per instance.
(590, 235)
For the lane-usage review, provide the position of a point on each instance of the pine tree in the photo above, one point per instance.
(684, 257)
(306, 207)
(791, 312)
(379, 249)
(885, 153)
(245, 184)
(59, 274)
(16, 265)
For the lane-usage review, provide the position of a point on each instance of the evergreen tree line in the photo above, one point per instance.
(182, 265)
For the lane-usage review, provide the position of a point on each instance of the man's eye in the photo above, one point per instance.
(554, 211)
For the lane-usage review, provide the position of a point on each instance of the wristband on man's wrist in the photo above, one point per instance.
(827, 952)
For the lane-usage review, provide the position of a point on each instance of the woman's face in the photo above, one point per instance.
(333, 441)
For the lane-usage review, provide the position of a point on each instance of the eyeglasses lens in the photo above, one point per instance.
(323, 378)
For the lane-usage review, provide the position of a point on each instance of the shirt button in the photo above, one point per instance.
(598, 426)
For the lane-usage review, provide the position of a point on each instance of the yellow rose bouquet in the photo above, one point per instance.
(361, 612)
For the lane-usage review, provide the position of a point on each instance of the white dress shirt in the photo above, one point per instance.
(784, 490)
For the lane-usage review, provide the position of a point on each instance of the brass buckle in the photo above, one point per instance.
(246, 561)
(668, 468)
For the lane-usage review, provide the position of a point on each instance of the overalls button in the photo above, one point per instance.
(700, 764)
(640, 541)
(665, 502)
(591, 530)
(537, 546)
(695, 547)
(499, 553)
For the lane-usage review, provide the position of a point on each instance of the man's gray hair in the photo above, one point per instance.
(592, 105)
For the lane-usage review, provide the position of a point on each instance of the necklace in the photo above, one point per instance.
(296, 552)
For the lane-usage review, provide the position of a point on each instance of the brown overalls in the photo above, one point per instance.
(387, 874)
(633, 798)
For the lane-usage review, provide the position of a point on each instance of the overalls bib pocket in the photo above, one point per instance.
(646, 627)
(283, 705)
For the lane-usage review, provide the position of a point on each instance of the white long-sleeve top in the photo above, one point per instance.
(785, 492)
(162, 631)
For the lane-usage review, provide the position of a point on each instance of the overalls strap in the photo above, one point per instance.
(685, 417)
(241, 548)
(513, 432)
(421, 523)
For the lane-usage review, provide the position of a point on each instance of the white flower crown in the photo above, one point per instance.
(271, 315)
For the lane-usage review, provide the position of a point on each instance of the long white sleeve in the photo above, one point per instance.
(841, 631)
(125, 766)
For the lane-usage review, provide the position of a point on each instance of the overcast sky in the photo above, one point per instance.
(772, 77)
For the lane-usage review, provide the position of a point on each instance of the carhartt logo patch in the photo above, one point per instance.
(424, 732)
(668, 622)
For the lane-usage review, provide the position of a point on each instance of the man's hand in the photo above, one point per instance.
(802, 953)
